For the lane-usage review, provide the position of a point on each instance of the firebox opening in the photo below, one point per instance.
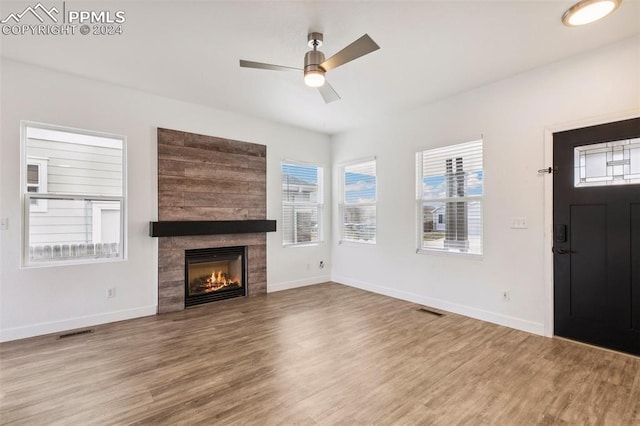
(214, 274)
(206, 277)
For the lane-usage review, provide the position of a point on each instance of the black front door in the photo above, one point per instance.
(596, 233)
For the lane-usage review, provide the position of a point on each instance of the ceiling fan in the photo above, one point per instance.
(315, 65)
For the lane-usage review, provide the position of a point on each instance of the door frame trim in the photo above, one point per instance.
(548, 200)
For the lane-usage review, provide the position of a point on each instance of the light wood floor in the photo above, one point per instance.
(325, 354)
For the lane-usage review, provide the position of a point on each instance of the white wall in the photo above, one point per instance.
(512, 116)
(43, 300)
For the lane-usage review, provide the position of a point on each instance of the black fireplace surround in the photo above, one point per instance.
(212, 274)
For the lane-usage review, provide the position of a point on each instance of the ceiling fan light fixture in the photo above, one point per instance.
(314, 78)
(588, 11)
(313, 72)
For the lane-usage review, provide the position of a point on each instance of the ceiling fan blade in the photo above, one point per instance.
(328, 93)
(263, 66)
(358, 48)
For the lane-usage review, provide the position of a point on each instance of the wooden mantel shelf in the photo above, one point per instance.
(179, 228)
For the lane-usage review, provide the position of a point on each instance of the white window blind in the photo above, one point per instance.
(359, 197)
(449, 198)
(302, 200)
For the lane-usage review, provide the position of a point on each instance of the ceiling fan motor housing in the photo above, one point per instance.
(312, 61)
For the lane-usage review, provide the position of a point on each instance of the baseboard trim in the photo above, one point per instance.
(286, 285)
(468, 311)
(74, 323)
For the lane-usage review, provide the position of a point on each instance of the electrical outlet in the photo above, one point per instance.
(506, 296)
(308, 266)
(321, 265)
(111, 293)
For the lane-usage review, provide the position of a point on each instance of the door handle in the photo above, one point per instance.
(561, 250)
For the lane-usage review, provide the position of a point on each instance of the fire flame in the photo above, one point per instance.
(218, 280)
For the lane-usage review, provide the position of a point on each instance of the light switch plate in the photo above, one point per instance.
(4, 223)
(518, 223)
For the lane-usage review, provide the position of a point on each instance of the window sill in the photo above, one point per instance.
(38, 265)
(357, 243)
(310, 244)
(450, 254)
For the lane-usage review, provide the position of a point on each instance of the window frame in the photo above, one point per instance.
(319, 205)
(343, 203)
(26, 197)
(420, 249)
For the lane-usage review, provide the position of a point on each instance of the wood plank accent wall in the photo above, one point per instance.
(208, 178)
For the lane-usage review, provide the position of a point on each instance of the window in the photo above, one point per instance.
(358, 202)
(609, 163)
(449, 192)
(73, 187)
(302, 201)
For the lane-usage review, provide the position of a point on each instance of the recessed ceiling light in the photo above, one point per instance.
(587, 11)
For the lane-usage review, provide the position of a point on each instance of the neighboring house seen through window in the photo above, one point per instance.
(73, 188)
(302, 201)
(449, 185)
(37, 181)
(358, 202)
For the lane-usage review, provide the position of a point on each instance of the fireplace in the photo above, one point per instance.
(213, 274)
(220, 180)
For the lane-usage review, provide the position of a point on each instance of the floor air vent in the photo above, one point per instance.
(429, 311)
(75, 333)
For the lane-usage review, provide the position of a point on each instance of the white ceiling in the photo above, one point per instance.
(428, 50)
